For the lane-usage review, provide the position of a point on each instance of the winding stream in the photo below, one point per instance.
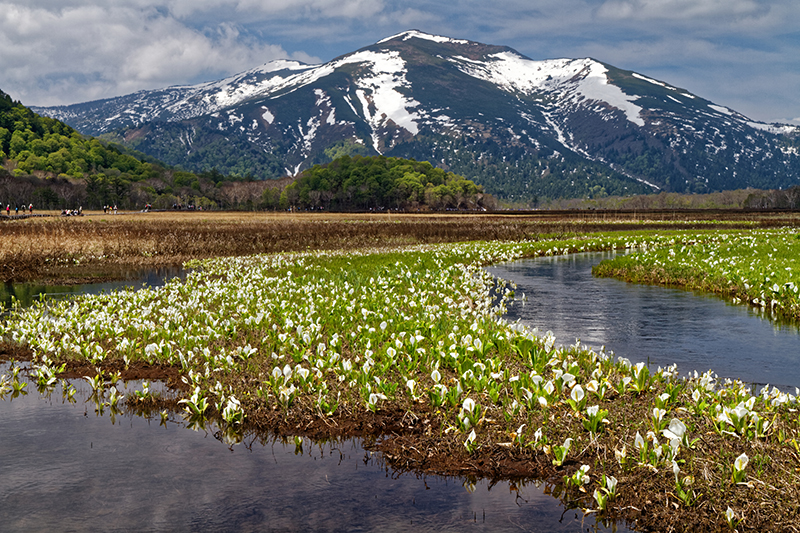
(655, 324)
(27, 293)
(66, 466)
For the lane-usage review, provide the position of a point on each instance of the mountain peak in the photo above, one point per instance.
(521, 127)
(411, 34)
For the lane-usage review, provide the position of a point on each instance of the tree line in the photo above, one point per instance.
(379, 183)
(52, 166)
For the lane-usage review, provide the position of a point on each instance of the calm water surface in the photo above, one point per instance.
(27, 293)
(654, 324)
(65, 467)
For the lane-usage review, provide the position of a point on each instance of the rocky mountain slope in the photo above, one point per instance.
(523, 128)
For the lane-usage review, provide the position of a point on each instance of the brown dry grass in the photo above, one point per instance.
(106, 246)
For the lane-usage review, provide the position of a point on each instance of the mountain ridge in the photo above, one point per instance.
(523, 128)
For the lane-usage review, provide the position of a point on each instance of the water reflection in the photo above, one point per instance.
(655, 324)
(27, 293)
(68, 467)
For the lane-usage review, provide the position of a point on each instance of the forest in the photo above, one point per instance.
(52, 166)
(378, 183)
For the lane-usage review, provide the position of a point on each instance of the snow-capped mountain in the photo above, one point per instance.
(521, 127)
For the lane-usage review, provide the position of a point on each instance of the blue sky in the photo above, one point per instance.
(744, 54)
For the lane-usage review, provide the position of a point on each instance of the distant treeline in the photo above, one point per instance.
(737, 199)
(378, 183)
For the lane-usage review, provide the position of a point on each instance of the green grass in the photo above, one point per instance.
(759, 267)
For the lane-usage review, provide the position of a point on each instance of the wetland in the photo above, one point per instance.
(406, 347)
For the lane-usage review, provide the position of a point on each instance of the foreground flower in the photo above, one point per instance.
(738, 468)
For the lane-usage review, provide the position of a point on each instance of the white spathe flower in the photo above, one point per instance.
(676, 430)
(741, 462)
(592, 386)
(436, 376)
(592, 410)
(577, 393)
(542, 401)
(724, 417)
(621, 455)
(740, 411)
(638, 441)
(675, 446)
(582, 475)
(470, 438)
(468, 405)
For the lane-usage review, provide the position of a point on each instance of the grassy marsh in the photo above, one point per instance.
(407, 347)
(757, 267)
(103, 246)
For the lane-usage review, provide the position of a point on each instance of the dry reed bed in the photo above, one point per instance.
(73, 250)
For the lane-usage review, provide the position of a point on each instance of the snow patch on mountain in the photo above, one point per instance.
(775, 129)
(378, 94)
(720, 109)
(576, 78)
(406, 35)
(654, 82)
(595, 86)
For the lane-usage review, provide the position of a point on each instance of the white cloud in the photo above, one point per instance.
(712, 17)
(740, 53)
(79, 53)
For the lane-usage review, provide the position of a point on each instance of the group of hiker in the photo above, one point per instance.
(72, 212)
(17, 208)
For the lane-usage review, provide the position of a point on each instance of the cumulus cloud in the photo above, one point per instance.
(740, 53)
(82, 52)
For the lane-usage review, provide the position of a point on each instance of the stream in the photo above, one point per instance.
(659, 325)
(72, 466)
